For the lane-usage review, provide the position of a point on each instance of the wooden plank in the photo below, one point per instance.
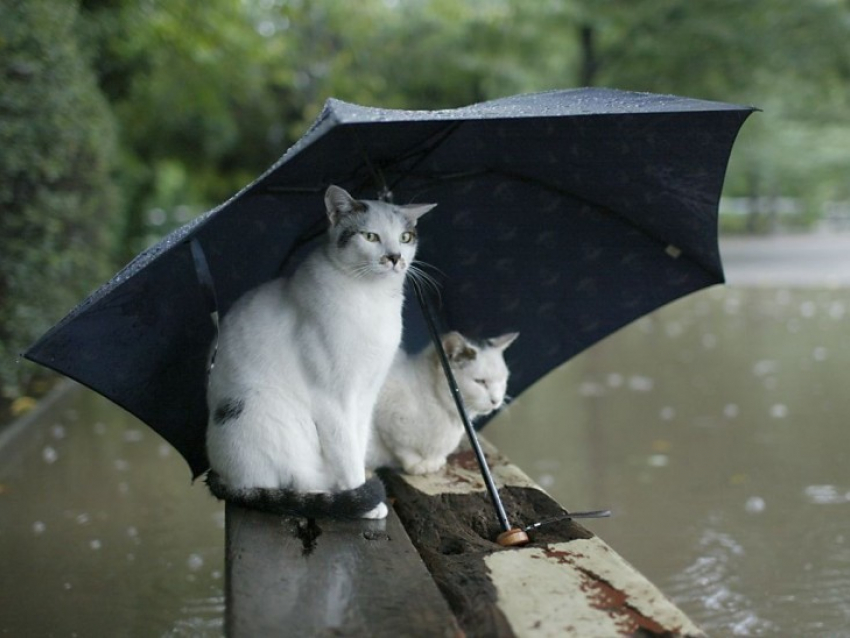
(566, 582)
(294, 577)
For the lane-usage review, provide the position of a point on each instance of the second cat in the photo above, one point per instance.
(416, 424)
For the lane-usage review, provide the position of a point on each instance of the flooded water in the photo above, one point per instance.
(715, 429)
(101, 531)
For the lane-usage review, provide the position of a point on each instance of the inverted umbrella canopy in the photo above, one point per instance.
(562, 215)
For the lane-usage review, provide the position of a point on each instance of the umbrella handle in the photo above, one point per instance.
(509, 535)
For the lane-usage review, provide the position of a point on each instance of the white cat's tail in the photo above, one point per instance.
(354, 503)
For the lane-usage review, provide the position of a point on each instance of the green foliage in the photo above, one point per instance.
(201, 97)
(223, 87)
(58, 204)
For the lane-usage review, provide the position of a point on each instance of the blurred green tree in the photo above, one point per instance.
(207, 95)
(59, 205)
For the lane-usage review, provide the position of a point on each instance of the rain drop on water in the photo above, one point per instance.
(779, 411)
(195, 562)
(49, 455)
(755, 505)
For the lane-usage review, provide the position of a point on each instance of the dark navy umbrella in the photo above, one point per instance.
(562, 215)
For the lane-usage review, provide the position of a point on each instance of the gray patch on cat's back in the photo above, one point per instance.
(228, 410)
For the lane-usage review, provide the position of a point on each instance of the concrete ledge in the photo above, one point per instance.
(566, 582)
(433, 569)
(298, 577)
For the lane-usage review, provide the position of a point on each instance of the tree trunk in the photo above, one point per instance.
(588, 61)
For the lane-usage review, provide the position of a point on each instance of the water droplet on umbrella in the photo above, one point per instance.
(38, 528)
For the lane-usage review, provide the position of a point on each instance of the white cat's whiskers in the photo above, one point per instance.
(424, 279)
(361, 270)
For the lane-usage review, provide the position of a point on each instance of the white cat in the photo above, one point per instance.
(416, 421)
(299, 366)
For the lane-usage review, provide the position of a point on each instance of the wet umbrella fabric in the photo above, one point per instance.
(562, 215)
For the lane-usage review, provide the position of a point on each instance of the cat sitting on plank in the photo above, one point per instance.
(299, 365)
(416, 423)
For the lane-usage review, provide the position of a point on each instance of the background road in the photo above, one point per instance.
(818, 259)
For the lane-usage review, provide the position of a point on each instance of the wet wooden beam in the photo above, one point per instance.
(298, 577)
(566, 582)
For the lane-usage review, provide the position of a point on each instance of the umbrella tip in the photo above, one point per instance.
(512, 538)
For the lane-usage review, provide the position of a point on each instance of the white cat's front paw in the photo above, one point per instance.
(379, 511)
(426, 466)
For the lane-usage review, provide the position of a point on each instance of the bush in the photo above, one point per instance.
(58, 205)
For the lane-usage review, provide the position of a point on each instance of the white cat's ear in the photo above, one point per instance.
(414, 211)
(503, 341)
(338, 203)
(457, 348)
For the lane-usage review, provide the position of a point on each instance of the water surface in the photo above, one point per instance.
(102, 532)
(716, 430)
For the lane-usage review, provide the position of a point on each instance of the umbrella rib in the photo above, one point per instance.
(424, 153)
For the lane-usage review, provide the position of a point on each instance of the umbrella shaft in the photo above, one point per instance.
(428, 312)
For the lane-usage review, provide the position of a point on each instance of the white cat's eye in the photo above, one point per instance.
(481, 382)
(406, 237)
(372, 237)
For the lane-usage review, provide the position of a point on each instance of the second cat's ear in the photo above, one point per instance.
(457, 348)
(414, 211)
(503, 341)
(338, 203)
